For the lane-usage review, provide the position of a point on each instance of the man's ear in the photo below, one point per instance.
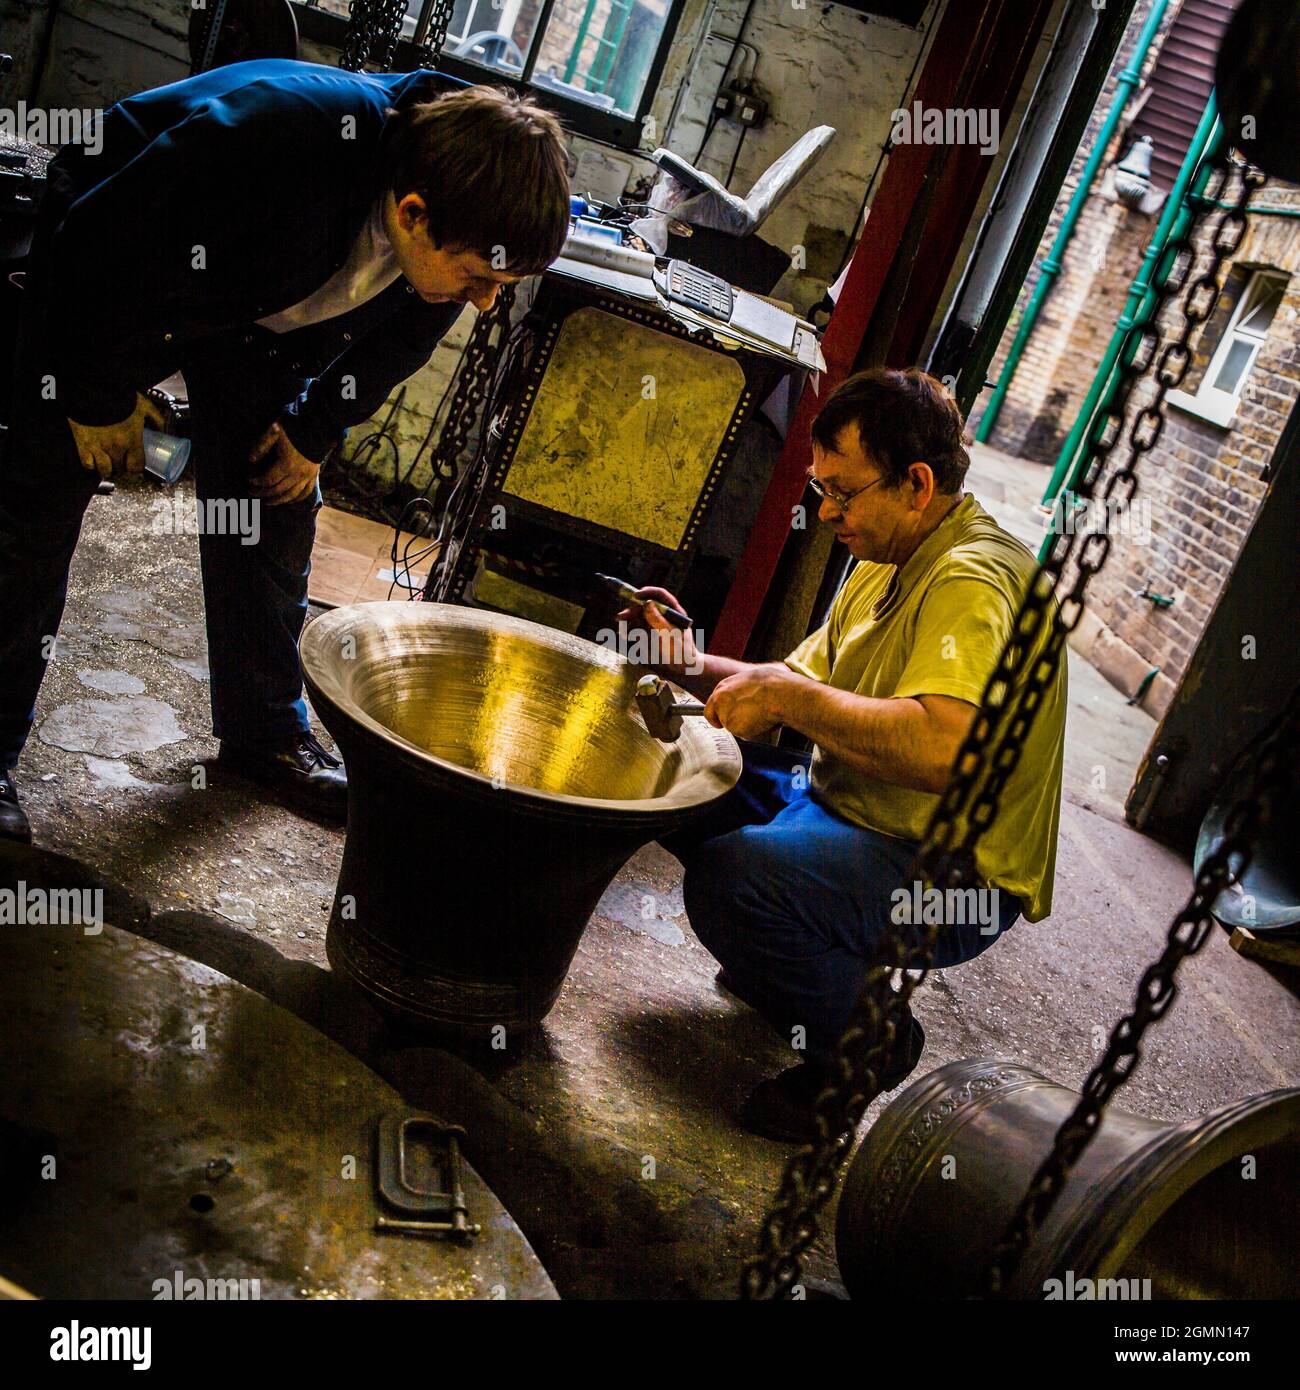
(411, 212)
(921, 476)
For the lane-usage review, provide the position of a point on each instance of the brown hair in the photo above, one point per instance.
(903, 417)
(492, 170)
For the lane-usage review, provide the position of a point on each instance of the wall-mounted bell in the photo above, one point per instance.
(1133, 174)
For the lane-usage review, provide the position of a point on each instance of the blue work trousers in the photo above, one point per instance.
(793, 899)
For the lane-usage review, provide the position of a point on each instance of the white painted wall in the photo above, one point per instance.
(820, 64)
(104, 50)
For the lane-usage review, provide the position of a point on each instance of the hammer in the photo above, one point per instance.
(663, 718)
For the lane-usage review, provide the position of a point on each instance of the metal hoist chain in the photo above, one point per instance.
(969, 803)
(373, 30)
(472, 384)
(375, 27)
(431, 49)
(1273, 772)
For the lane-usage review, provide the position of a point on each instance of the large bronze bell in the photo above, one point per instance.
(498, 778)
(1205, 1209)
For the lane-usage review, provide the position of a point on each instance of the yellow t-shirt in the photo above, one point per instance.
(937, 627)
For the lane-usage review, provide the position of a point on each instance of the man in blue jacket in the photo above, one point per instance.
(296, 239)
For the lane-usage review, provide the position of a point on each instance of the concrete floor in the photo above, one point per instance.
(642, 1059)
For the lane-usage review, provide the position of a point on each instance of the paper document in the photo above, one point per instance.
(604, 277)
(758, 318)
(600, 262)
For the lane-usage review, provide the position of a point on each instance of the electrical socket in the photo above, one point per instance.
(744, 104)
(752, 110)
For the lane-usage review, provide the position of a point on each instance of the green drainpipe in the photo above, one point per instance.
(1193, 176)
(1257, 211)
(1124, 84)
(576, 51)
(1136, 697)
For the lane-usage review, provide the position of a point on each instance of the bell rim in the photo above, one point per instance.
(710, 781)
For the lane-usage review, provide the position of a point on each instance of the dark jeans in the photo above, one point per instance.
(793, 900)
(255, 595)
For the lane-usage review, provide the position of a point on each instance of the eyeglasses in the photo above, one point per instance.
(840, 499)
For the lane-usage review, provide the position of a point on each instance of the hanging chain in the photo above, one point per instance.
(431, 49)
(373, 30)
(1254, 812)
(968, 805)
(375, 26)
(473, 386)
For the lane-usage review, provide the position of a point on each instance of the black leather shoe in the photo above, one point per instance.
(14, 824)
(783, 1107)
(309, 778)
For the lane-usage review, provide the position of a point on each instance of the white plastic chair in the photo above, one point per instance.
(690, 195)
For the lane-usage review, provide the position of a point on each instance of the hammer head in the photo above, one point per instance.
(655, 701)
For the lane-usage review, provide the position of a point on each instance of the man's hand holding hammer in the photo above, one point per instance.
(742, 697)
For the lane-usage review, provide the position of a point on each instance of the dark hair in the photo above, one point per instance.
(903, 417)
(492, 170)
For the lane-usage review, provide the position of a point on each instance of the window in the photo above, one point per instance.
(596, 61)
(1220, 390)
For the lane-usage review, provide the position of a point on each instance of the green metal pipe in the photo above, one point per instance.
(1136, 697)
(1051, 268)
(1124, 342)
(1257, 211)
(572, 65)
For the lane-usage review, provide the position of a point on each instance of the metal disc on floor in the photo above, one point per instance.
(166, 1132)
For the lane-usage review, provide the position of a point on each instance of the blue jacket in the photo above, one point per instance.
(213, 202)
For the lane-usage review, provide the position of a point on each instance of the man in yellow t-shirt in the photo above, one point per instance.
(794, 877)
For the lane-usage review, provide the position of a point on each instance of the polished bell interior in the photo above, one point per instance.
(1203, 1209)
(499, 776)
(500, 703)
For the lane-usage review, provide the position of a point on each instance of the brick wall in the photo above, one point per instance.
(1201, 486)
(1061, 357)
(562, 34)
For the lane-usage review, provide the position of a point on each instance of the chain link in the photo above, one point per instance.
(969, 803)
(431, 49)
(373, 30)
(473, 386)
(375, 26)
